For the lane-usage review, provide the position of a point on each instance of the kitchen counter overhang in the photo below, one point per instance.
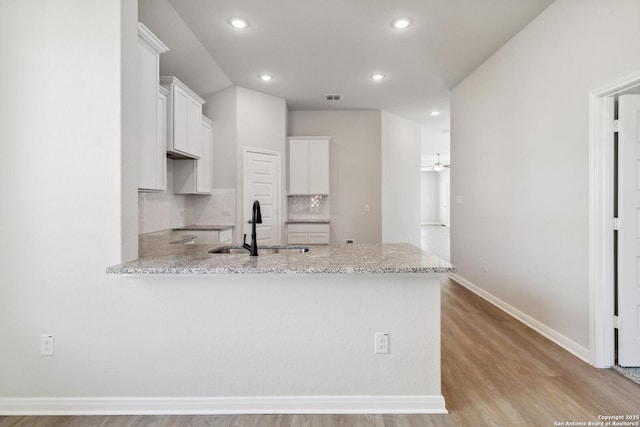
(362, 258)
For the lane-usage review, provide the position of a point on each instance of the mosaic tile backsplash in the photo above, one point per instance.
(308, 207)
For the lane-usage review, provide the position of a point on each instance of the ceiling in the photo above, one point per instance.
(333, 46)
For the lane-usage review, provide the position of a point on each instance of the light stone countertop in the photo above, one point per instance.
(159, 256)
(205, 228)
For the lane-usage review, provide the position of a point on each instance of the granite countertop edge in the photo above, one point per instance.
(275, 271)
(162, 254)
(196, 227)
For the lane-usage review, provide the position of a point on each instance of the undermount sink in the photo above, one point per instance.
(261, 250)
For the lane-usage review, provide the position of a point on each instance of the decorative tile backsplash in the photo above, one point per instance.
(165, 210)
(218, 208)
(308, 207)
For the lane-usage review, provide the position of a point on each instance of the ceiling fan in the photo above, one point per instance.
(440, 166)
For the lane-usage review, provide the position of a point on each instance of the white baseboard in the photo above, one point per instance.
(571, 346)
(224, 405)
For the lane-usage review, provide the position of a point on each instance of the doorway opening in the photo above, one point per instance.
(435, 211)
(602, 211)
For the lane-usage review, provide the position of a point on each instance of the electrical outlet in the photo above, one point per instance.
(47, 347)
(382, 343)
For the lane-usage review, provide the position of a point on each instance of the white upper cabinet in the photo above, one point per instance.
(298, 166)
(184, 119)
(204, 166)
(309, 165)
(195, 176)
(152, 166)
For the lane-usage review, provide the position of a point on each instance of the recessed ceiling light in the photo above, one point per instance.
(401, 23)
(266, 77)
(239, 23)
(377, 77)
(435, 113)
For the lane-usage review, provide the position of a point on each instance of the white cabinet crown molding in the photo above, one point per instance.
(207, 120)
(151, 38)
(169, 80)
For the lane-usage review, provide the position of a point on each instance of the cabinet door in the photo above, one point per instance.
(161, 138)
(318, 238)
(147, 96)
(205, 162)
(318, 166)
(180, 120)
(297, 238)
(225, 236)
(194, 124)
(183, 121)
(298, 166)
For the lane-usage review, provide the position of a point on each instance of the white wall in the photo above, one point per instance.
(520, 155)
(400, 167)
(127, 337)
(354, 172)
(223, 110)
(262, 124)
(429, 208)
(128, 130)
(65, 199)
(245, 119)
(187, 58)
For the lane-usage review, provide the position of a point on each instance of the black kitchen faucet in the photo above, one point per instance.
(256, 218)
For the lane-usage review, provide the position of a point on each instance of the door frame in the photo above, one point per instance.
(278, 213)
(601, 267)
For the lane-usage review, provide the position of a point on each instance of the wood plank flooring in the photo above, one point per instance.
(495, 372)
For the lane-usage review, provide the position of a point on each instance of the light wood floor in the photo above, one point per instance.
(495, 372)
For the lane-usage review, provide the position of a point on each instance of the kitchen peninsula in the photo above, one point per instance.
(294, 332)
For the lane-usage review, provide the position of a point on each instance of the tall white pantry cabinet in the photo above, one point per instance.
(308, 176)
(151, 110)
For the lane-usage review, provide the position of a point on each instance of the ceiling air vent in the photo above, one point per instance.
(333, 96)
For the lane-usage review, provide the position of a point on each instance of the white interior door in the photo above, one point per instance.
(262, 183)
(629, 233)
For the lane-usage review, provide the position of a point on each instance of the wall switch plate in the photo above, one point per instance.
(382, 343)
(47, 346)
